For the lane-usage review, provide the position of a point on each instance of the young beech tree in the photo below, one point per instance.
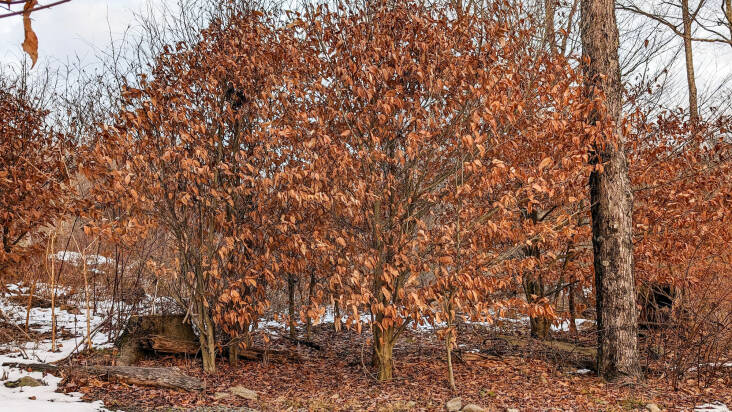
(33, 175)
(196, 152)
(682, 180)
(431, 135)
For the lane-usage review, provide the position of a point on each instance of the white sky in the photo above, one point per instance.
(83, 27)
(77, 27)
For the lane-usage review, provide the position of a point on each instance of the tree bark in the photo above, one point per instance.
(171, 378)
(612, 200)
(549, 33)
(689, 60)
(383, 349)
(291, 304)
(572, 312)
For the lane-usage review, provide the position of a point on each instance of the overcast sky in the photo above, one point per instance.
(83, 27)
(77, 27)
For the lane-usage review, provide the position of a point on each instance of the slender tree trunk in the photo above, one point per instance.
(572, 312)
(309, 324)
(88, 306)
(30, 303)
(727, 6)
(612, 201)
(448, 351)
(689, 59)
(291, 304)
(549, 33)
(204, 323)
(234, 351)
(53, 296)
(336, 316)
(534, 289)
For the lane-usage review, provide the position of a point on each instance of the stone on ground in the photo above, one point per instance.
(24, 381)
(454, 404)
(243, 392)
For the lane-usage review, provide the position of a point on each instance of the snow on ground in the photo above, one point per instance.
(712, 407)
(564, 325)
(75, 258)
(45, 397)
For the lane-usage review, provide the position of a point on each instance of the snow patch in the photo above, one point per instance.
(46, 397)
(712, 407)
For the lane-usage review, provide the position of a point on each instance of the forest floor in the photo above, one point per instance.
(532, 377)
(514, 372)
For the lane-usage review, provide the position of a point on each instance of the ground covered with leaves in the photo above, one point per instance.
(511, 371)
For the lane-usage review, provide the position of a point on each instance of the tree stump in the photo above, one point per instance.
(158, 333)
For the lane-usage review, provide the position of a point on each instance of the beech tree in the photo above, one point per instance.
(432, 134)
(196, 152)
(611, 196)
(33, 175)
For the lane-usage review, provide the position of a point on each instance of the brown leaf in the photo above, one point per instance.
(30, 44)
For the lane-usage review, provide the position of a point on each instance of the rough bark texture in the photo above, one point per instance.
(383, 352)
(612, 201)
(171, 378)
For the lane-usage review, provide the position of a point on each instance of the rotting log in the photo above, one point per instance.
(169, 378)
(165, 344)
(269, 355)
(33, 367)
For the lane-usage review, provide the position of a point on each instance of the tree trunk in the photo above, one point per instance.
(727, 6)
(291, 304)
(448, 351)
(612, 200)
(549, 33)
(30, 303)
(534, 289)
(383, 348)
(234, 352)
(309, 324)
(572, 312)
(689, 60)
(336, 316)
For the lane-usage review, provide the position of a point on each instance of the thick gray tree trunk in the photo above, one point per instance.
(612, 201)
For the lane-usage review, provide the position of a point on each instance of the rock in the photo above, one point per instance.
(24, 381)
(454, 404)
(243, 392)
(652, 407)
(471, 407)
(221, 395)
(136, 338)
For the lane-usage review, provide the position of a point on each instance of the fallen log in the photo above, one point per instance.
(170, 378)
(33, 367)
(165, 344)
(475, 356)
(269, 355)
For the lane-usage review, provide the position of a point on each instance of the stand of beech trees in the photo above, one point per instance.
(410, 162)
